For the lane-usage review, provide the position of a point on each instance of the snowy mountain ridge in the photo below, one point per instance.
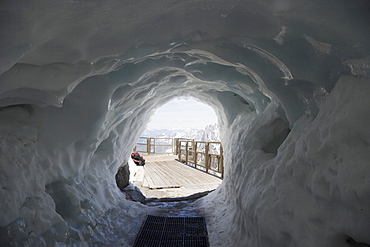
(209, 133)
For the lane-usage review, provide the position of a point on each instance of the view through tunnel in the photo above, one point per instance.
(182, 134)
(288, 81)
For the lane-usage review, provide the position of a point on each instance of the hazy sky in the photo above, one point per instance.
(183, 113)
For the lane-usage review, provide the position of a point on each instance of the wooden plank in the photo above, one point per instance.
(167, 174)
(162, 181)
(156, 175)
(194, 175)
(158, 180)
(150, 181)
(186, 176)
(170, 174)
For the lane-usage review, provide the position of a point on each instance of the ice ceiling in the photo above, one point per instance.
(79, 81)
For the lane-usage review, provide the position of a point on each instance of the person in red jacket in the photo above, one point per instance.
(138, 159)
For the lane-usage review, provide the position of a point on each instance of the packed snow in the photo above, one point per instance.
(288, 80)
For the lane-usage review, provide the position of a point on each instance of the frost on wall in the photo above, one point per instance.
(79, 81)
(314, 192)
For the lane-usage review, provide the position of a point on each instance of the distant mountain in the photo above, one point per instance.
(210, 133)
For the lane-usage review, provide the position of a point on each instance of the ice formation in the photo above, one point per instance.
(289, 81)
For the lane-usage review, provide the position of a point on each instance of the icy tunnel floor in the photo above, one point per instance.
(176, 192)
(181, 206)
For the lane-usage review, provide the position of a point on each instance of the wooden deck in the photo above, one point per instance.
(164, 172)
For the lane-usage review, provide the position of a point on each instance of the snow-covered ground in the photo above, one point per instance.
(288, 80)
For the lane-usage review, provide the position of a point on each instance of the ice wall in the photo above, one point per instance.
(80, 80)
(313, 191)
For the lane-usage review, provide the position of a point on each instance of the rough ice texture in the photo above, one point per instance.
(79, 81)
(314, 192)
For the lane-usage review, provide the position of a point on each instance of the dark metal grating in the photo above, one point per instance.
(159, 231)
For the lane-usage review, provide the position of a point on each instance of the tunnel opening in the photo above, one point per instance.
(183, 154)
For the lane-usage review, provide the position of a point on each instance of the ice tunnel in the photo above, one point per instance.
(288, 80)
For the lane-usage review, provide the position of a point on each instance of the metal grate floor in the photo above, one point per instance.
(159, 231)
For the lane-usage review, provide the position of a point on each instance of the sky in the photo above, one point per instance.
(183, 113)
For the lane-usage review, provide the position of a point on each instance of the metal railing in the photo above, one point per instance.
(206, 156)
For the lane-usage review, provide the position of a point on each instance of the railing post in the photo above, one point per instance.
(187, 152)
(179, 149)
(195, 154)
(148, 145)
(221, 161)
(207, 158)
(191, 152)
